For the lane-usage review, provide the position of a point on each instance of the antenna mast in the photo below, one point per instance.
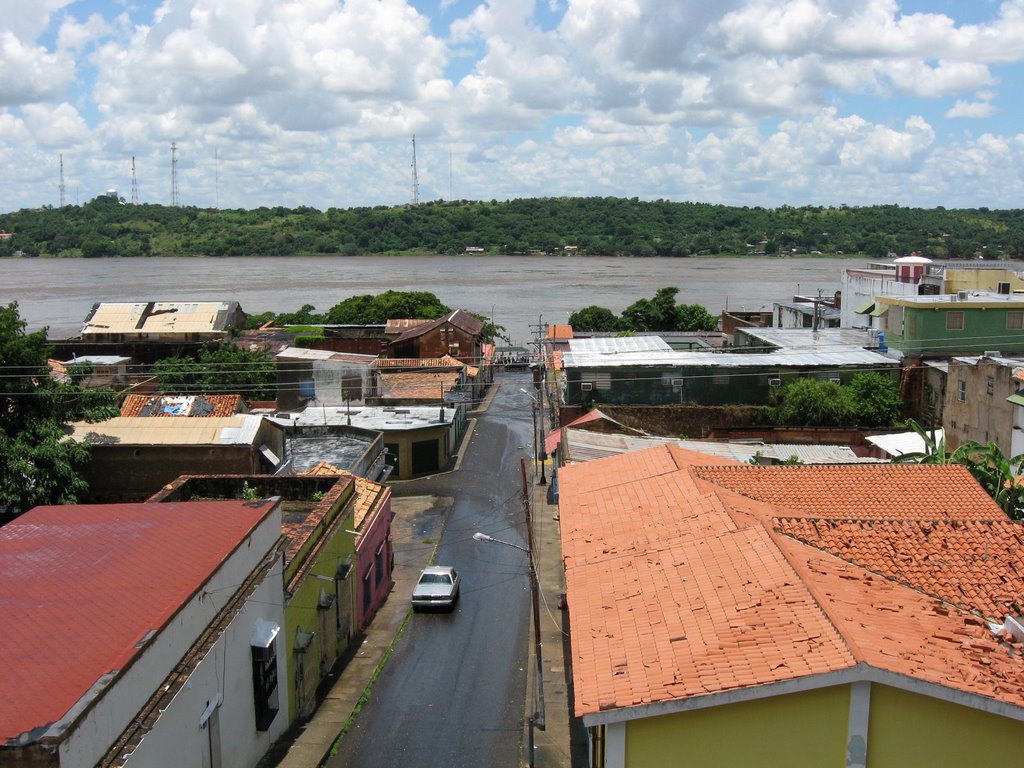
(174, 174)
(62, 181)
(135, 186)
(415, 177)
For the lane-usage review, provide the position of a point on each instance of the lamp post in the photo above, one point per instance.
(539, 451)
(537, 718)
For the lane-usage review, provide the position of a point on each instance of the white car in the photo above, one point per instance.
(438, 587)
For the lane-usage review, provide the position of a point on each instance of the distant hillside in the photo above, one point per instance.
(597, 226)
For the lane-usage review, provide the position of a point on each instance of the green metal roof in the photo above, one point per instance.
(866, 307)
(1016, 399)
(880, 310)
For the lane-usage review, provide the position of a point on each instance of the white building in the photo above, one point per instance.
(142, 635)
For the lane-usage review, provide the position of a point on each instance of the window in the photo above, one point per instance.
(990, 385)
(1015, 321)
(961, 391)
(264, 673)
(955, 320)
(307, 388)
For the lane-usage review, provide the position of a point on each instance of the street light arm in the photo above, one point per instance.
(484, 537)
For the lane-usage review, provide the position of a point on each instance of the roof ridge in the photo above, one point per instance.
(780, 542)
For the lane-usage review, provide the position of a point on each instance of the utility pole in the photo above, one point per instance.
(62, 181)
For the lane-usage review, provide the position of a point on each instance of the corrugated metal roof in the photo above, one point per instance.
(82, 585)
(239, 429)
(159, 317)
(681, 359)
(587, 446)
(614, 345)
(902, 442)
(302, 353)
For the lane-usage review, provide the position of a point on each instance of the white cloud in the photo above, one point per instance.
(314, 101)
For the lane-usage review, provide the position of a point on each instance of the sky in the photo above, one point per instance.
(316, 102)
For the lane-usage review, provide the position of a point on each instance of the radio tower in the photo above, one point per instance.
(62, 181)
(135, 186)
(174, 174)
(415, 178)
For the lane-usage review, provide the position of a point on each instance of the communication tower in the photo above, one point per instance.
(174, 174)
(62, 181)
(415, 177)
(135, 186)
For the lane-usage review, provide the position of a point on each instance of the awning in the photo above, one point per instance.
(879, 310)
(269, 455)
(866, 307)
(1017, 399)
(263, 633)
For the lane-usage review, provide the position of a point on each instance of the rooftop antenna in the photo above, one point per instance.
(62, 181)
(216, 178)
(449, 177)
(135, 186)
(415, 177)
(174, 174)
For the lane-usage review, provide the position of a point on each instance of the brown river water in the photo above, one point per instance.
(518, 292)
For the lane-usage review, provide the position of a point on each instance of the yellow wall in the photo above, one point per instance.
(800, 729)
(980, 280)
(907, 730)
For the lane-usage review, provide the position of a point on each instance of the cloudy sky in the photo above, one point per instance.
(315, 102)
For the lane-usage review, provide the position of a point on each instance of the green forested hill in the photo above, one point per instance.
(598, 226)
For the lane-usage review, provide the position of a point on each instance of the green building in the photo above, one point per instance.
(962, 323)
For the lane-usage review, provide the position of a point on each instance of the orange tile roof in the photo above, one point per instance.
(862, 491)
(181, 405)
(416, 386)
(899, 630)
(367, 495)
(679, 587)
(978, 565)
(418, 362)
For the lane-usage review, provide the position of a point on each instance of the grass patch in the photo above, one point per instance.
(365, 696)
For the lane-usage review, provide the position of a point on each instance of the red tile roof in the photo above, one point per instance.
(978, 565)
(416, 386)
(862, 491)
(678, 585)
(181, 405)
(81, 585)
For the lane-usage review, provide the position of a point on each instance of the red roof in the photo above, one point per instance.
(81, 585)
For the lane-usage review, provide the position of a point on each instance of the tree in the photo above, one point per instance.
(876, 399)
(227, 369)
(38, 464)
(596, 319)
(812, 403)
(694, 317)
(390, 305)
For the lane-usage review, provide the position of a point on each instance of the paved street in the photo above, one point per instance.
(453, 691)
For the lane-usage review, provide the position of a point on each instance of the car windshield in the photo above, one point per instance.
(435, 578)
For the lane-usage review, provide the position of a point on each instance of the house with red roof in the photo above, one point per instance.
(337, 563)
(147, 634)
(726, 614)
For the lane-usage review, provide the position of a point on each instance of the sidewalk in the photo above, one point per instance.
(313, 741)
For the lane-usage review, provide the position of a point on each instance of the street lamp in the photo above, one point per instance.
(538, 450)
(537, 718)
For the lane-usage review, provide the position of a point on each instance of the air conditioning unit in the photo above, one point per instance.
(677, 382)
(835, 379)
(586, 386)
(991, 353)
(962, 295)
(774, 381)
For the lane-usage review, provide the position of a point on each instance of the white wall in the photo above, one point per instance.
(131, 689)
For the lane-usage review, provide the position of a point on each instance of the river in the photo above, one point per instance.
(518, 292)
